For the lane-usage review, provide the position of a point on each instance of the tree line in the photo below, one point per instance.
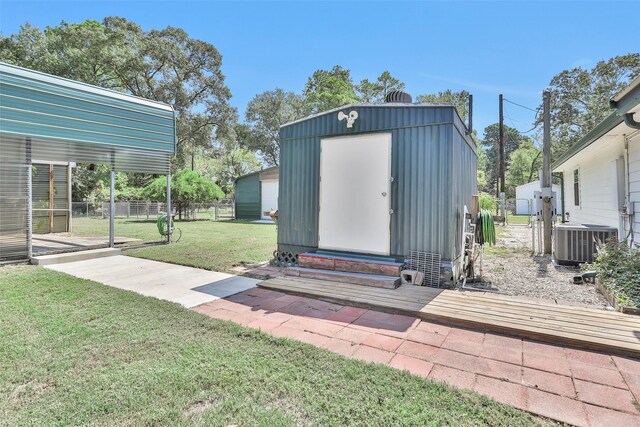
(167, 65)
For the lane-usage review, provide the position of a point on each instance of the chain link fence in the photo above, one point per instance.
(515, 212)
(140, 209)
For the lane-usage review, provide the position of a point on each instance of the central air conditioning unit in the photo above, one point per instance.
(576, 243)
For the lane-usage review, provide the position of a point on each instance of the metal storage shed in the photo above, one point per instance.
(256, 193)
(379, 180)
(52, 119)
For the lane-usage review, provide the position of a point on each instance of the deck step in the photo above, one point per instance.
(74, 256)
(350, 264)
(374, 280)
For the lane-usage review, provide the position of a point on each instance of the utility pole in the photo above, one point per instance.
(500, 178)
(546, 173)
(500, 186)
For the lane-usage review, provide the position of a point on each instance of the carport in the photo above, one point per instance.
(52, 119)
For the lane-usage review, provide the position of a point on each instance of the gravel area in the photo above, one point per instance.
(511, 269)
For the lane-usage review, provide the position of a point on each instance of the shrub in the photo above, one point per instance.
(487, 201)
(618, 268)
(187, 187)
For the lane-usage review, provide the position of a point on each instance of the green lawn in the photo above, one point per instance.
(514, 219)
(214, 245)
(73, 352)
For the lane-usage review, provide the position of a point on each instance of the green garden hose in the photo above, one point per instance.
(488, 227)
(162, 225)
(163, 229)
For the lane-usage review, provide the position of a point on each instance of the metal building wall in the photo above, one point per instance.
(247, 195)
(433, 165)
(14, 199)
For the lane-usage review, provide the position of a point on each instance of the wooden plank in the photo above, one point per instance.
(363, 290)
(351, 301)
(553, 323)
(563, 316)
(507, 314)
(535, 321)
(418, 292)
(550, 316)
(353, 297)
(528, 302)
(558, 337)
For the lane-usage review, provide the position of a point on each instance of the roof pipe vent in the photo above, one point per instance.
(398, 96)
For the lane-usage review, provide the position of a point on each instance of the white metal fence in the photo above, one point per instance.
(218, 210)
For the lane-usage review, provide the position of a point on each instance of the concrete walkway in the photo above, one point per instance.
(569, 385)
(184, 285)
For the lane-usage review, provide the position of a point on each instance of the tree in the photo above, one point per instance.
(187, 187)
(233, 164)
(375, 92)
(329, 89)
(580, 98)
(513, 140)
(265, 113)
(481, 165)
(460, 100)
(523, 164)
(388, 83)
(228, 160)
(92, 183)
(164, 65)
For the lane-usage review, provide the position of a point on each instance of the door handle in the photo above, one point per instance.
(384, 194)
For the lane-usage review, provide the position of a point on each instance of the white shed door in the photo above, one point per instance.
(355, 183)
(269, 197)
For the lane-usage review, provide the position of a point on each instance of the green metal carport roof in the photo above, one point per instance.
(48, 118)
(73, 121)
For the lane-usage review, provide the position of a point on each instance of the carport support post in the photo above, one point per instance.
(29, 200)
(169, 218)
(112, 208)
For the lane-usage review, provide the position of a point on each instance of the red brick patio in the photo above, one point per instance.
(569, 385)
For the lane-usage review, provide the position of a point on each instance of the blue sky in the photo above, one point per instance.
(487, 48)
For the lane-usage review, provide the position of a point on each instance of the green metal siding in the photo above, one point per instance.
(34, 104)
(248, 197)
(433, 165)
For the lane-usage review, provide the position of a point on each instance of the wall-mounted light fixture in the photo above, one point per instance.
(350, 118)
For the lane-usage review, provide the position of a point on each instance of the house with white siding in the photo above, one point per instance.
(601, 172)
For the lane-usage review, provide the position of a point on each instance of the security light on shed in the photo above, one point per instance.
(350, 118)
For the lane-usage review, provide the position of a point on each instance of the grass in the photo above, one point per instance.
(513, 219)
(73, 352)
(213, 245)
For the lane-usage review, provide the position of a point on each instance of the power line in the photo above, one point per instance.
(513, 125)
(522, 106)
(537, 111)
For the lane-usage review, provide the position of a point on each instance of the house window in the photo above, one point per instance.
(576, 187)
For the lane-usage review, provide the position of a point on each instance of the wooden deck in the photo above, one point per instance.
(577, 326)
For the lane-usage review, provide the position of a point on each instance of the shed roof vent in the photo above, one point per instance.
(398, 96)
